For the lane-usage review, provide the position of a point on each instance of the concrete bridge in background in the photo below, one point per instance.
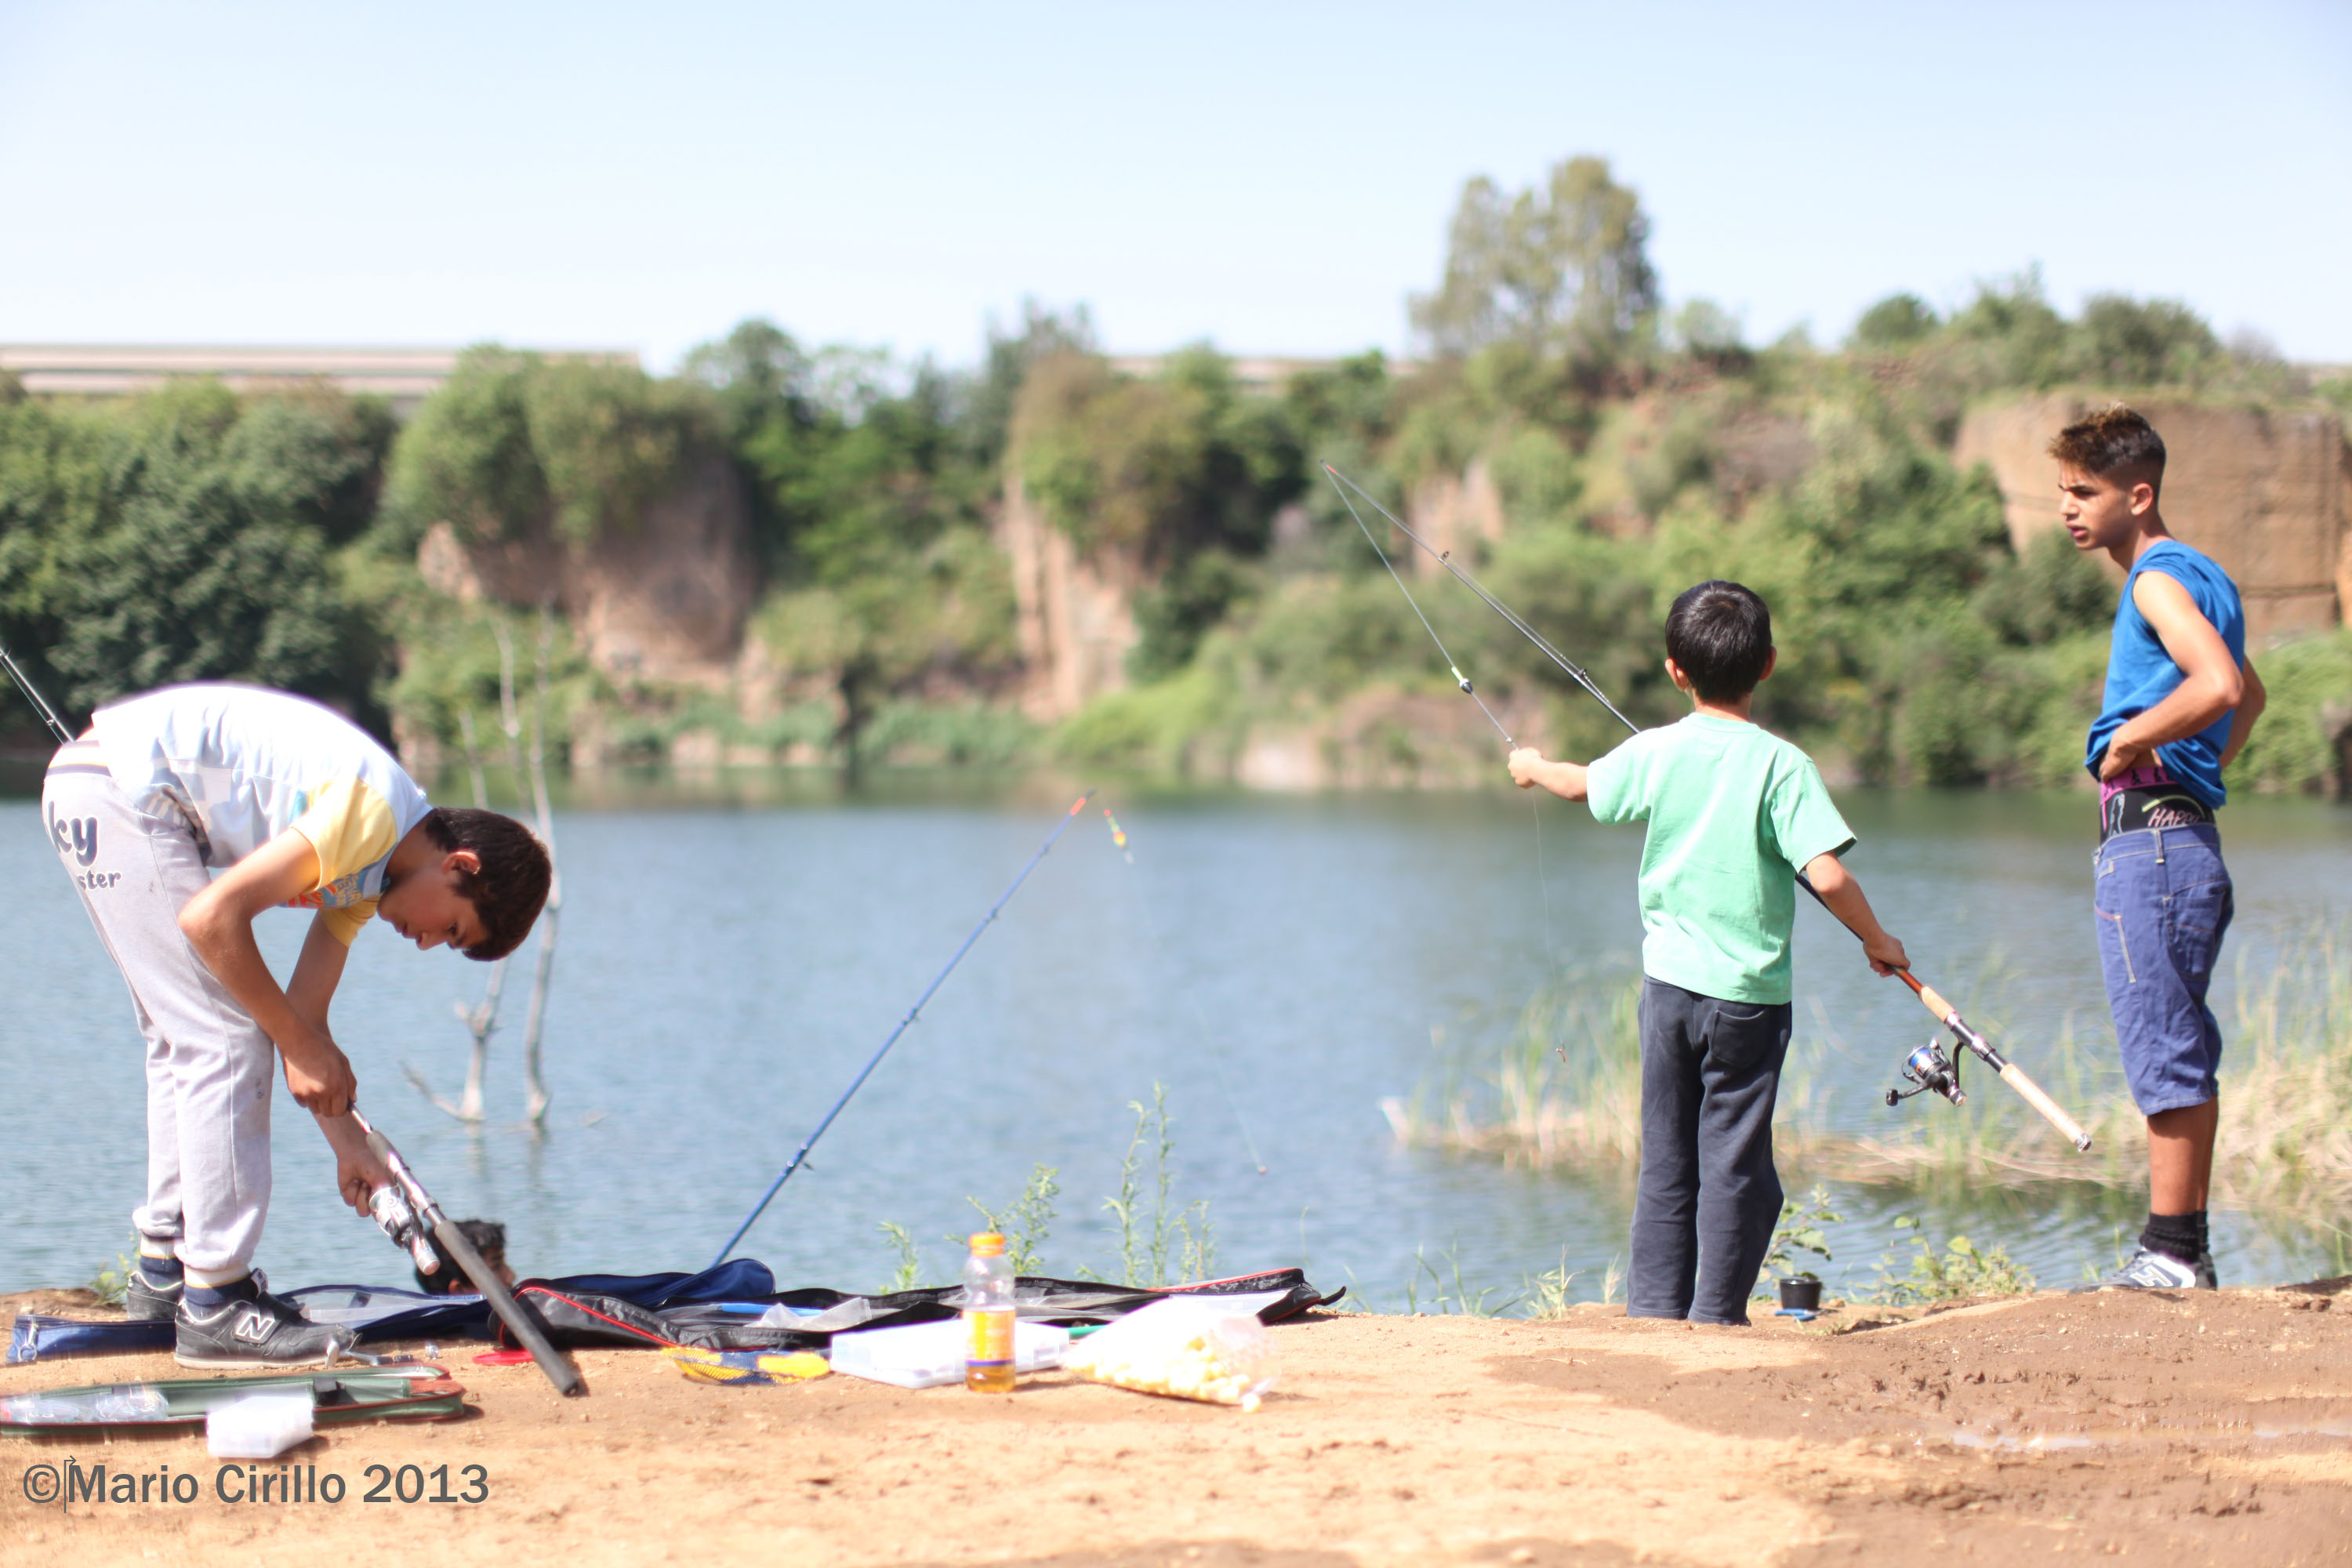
(406, 375)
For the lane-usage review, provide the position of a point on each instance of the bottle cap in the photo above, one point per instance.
(987, 1244)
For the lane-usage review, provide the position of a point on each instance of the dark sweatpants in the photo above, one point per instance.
(1709, 1196)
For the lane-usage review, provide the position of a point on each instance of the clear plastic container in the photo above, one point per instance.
(988, 1316)
(932, 1355)
(259, 1426)
(1189, 1348)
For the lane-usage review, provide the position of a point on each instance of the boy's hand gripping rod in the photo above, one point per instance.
(408, 1215)
(1946, 1013)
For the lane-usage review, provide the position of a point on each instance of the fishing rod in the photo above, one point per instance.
(800, 1156)
(33, 695)
(1926, 1066)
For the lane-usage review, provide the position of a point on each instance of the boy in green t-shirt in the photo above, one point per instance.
(1735, 814)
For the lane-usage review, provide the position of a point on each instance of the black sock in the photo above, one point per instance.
(2180, 1236)
(239, 1289)
(160, 1272)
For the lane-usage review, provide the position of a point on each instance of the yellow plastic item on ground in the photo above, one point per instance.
(746, 1366)
(1186, 1348)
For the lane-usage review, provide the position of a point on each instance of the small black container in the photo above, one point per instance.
(1801, 1293)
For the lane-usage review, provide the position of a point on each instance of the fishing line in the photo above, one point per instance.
(1460, 678)
(800, 1155)
(1192, 994)
(1445, 558)
(1543, 879)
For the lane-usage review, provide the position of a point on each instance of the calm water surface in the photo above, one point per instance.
(726, 965)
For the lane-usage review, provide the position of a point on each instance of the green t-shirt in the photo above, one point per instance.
(1735, 814)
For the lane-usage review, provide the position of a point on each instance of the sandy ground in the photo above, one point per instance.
(2206, 1428)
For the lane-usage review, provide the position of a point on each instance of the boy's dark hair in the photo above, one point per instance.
(490, 1239)
(1721, 635)
(2114, 440)
(510, 889)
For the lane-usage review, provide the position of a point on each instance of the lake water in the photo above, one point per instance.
(732, 952)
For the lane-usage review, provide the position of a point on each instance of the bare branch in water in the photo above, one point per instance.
(552, 919)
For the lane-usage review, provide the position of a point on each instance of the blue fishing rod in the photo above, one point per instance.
(1927, 1068)
(800, 1156)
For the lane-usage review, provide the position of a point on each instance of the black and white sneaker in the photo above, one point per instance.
(144, 1301)
(2150, 1270)
(259, 1329)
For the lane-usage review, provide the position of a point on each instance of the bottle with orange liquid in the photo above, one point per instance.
(988, 1316)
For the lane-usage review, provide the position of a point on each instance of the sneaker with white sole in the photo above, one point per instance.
(144, 1301)
(259, 1329)
(2149, 1270)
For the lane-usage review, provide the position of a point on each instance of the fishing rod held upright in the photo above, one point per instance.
(33, 695)
(800, 1155)
(1931, 1073)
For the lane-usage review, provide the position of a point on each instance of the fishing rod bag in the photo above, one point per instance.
(375, 1313)
(807, 1318)
(337, 1397)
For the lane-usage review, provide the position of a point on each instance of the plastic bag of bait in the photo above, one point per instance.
(1190, 1348)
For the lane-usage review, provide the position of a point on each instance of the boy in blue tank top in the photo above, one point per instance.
(2180, 697)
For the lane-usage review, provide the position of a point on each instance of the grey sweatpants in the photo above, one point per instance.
(209, 1065)
(1709, 1196)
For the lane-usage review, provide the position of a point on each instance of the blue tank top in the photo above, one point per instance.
(2140, 674)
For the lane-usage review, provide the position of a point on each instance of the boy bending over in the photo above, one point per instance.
(289, 803)
(1734, 814)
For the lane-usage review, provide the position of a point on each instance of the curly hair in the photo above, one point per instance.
(510, 889)
(2114, 441)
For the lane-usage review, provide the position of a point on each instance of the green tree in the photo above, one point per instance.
(188, 535)
(514, 443)
(1560, 267)
(2122, 342)
(1897, 321)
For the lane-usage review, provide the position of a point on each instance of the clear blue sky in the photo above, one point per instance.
(1273, 177)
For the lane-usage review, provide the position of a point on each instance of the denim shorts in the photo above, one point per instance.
(2162, 902)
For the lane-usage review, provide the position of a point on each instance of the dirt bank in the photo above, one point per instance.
(2209, 1428)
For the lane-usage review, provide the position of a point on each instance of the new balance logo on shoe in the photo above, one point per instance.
(254, 1327)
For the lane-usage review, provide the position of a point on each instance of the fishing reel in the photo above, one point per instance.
(397, 1219)
(1929, 1068)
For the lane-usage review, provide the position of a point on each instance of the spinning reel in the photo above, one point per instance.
(397, 1218)
(1928, 1069)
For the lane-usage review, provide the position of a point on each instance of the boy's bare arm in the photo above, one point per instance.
(218, 924)
(1843, 896)
(1530, 768)
(316, 972)
(2250, 707)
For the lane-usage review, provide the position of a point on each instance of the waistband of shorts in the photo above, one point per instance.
(81, 756)
(2206, 833)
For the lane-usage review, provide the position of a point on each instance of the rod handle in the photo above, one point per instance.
(1930, 997)
(2015, 1076)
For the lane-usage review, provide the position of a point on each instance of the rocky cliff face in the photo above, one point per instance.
(663, 602)
(2264, 493)
(1077, 614)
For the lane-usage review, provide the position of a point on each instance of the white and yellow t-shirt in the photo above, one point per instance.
(241, 764)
